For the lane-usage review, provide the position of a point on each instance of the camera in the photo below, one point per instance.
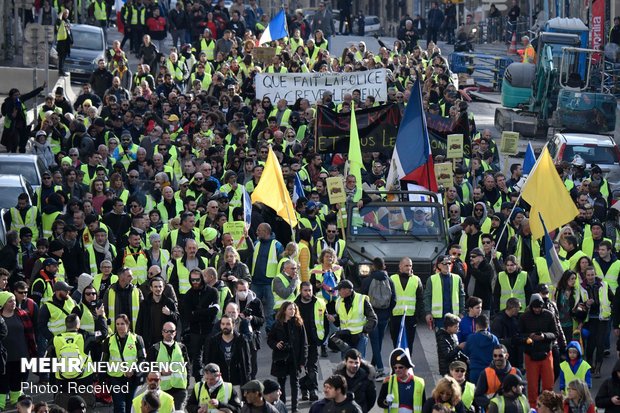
(248, 312)
(337, 341)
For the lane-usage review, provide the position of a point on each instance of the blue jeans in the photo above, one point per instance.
(362, 344)
(376, 337)
(264, 293)
(122, 401)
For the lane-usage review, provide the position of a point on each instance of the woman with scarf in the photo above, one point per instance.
(17, 334)
(39, 145)
(579, 399)
(232, 269)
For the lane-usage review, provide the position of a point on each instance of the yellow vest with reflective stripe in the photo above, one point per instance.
(570, 376)
(272, 260)
(353, 320)
(18, 223)
(405, 298)
(507, 291)
(92, 259)
(60, 341)
(319, 318)
(277, 300)
(47, 220)
(418, 393)
(137, 265)
(587, 245)
(56, 323)
(611, 277)
(605, 304)
(87, 321)
(501, 405)
(166, 401)
(135, 306)
(519, 251)
(201, 392)
(178, 378)
(129, 354)
(100, 11)
(468, 394)
(99, 277)
(543, 273)
(209, 49)
(183, 274)
(437, 295)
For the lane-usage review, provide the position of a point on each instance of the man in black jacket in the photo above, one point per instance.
(309, 308)
(505, 326)
(433, 22)
(481, 277)
(101, 79)
(237, 369)
(156, 310)
(16, 128)
(360, 377)
(538, 333)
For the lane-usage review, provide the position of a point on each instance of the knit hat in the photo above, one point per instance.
(56, 246)
(270, 386)
(5, 296)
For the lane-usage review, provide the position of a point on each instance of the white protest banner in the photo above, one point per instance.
(311, 86)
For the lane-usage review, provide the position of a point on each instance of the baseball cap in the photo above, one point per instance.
(49, 261)
(173, 118)
(476, 252)
(458, 364)
(41, 133)
(61, 286)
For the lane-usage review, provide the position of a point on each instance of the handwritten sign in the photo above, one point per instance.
(335, 190)
(510, 143)
(311, 86)
(455, 146)
(235, 229)
(443, 174)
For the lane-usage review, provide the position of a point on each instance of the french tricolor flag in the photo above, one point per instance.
(276, 29)
(412, 160)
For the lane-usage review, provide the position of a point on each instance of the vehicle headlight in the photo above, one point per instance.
(364, 269)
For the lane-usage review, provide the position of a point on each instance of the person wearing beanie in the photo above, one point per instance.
(214, 393)
(591, 243)
(272, 394)
(402, 391)
(42, 286)
(511, 398)
(76, 404)
(538, 333)
(27, 249)
(18, 339)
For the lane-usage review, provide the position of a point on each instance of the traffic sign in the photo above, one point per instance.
(38, 33)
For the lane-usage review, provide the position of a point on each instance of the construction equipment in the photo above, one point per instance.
(556, 91)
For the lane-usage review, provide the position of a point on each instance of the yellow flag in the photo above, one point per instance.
(547, 196)
(355, 156)
(271, 191)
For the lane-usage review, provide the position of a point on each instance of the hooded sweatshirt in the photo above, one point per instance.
(574, 365)
(609, 389)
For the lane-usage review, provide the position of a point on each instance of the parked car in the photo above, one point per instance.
(11, 186)
(88, 47)
(372, 26)
(601, 150)
(30, 166)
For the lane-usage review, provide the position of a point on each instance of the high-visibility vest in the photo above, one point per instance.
(303, 246)
(88, 178)
(92, 259)
(138, 262)
(317, 271)
(605, 304)
(319, 318)
(353, 320)
(272, 260)
(519, 251)
(128, 355)
(163, 212)
(277, 300)
(237, 197)
(178, 378)
(183, 274)
(205, 82)
(574, 260)
(418, 393)
(135, 306)
(285, 116)
(166, 401)
(224, 393)
(507, 291)
(529, 54)
(97, 281)
(56, 322)
(100, 11)
(340, 246)
(87, 321)
(30, 221)
(176, 70)
(138, 19)
(47, 220)
(543, 273)
(611, 277)
(468, 394)
(405, 298)
(63, 33)
(493, 383)
(8, 123)
(587, 246)
(569, 375)
(501, 404)
(208, 48)
(61, 342)
(48, 289)
(437, 295)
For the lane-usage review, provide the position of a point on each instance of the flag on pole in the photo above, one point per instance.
(355, 156)
(276, 29)
(402, 334)
(298, 191)
(271, 191)
(547, 196)
(530, 159)
(247, 208)
(551, 256)
(412, 160)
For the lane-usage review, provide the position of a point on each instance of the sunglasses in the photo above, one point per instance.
(331, 232)
(91, 293)
(498, 356)
(21, 292)
(195, 280)
(486, 242)
(169, 331)
(459, 370)
(399, 368)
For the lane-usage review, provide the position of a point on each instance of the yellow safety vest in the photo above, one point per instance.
(418, 392)
(519, 251)
(340, 247)
(570, 376)
(166, 401)
(99, 277)
(501, 404)
(178, 378)
(87, 321)
(92, 259)
(543, 273)
(507, 291)
(100, 11)
(587, 245)
(468, 394)
(437, 295)
(277, 300)
(47, 220)
(30, 221)
(183, 274)
(128, 355)
(405, 298)
(209, 49)
(574, 260)
(272, 260)
(353, 320)
(204, 83)
(605, 304)
(138, 265)
(319, 318)
(62, 34)
(224, 394)
(135, 306)
(63, 344)
(611, 277)
(56, 323)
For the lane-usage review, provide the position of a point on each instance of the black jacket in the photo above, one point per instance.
(506, 329)
(198, 310)
(362, 385)
(145, 327)
(537, 323)
(237, 371)
(347, 406)
(483, 277)
(294, 354)
(609, 389)
(252, 306)
(101, 80)
(447, 350)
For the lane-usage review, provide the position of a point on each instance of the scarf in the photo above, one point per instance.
(576, 407)
(105, 250)
(67, 243)
(219, 382)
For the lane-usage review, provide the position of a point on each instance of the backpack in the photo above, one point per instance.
(71, 347)
(328, 287)
(380, 293)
